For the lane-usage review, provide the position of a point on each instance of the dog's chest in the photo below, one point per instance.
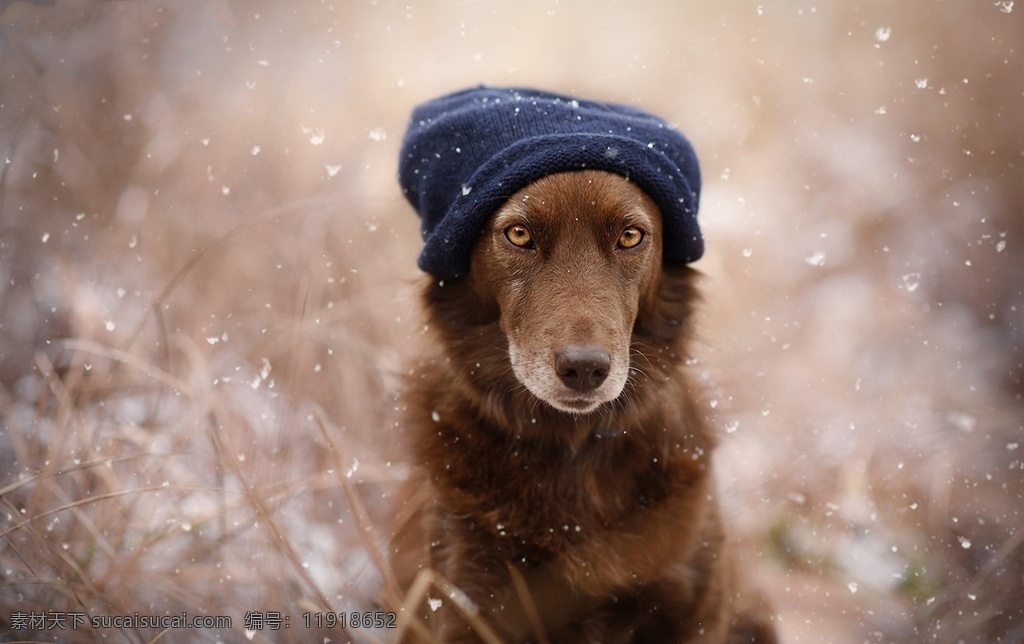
(534, 497)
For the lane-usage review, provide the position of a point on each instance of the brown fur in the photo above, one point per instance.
(600, 497)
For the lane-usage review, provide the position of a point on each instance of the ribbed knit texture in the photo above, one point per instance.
(466, 153)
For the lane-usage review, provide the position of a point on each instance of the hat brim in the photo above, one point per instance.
(451, 242)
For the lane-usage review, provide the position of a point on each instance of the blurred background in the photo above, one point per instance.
(208, 292)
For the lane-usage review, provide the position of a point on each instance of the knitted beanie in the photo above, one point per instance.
(465, 154)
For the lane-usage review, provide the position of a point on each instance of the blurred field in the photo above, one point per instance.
(208, 277)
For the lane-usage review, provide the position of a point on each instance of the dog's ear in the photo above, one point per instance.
(456, 303)
(667, 307)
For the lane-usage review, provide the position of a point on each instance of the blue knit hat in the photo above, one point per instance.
(466, 153)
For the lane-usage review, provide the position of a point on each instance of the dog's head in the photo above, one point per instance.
(569, 261)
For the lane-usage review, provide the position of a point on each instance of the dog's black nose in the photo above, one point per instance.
(582, 367)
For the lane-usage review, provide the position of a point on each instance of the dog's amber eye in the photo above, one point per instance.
(519, 236)
(631, 237)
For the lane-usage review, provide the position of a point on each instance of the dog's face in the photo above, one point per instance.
(569, 260)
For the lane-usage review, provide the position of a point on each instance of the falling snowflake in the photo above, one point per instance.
(316, 137)
(817, 259)
(352, 470)
(911, 281)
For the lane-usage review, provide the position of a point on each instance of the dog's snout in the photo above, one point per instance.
(582, 368)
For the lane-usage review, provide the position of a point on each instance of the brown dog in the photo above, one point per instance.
(565, 465)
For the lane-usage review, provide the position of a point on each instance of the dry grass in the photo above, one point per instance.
(208, 277)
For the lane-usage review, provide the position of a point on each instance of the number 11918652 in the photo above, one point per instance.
(355, 619)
